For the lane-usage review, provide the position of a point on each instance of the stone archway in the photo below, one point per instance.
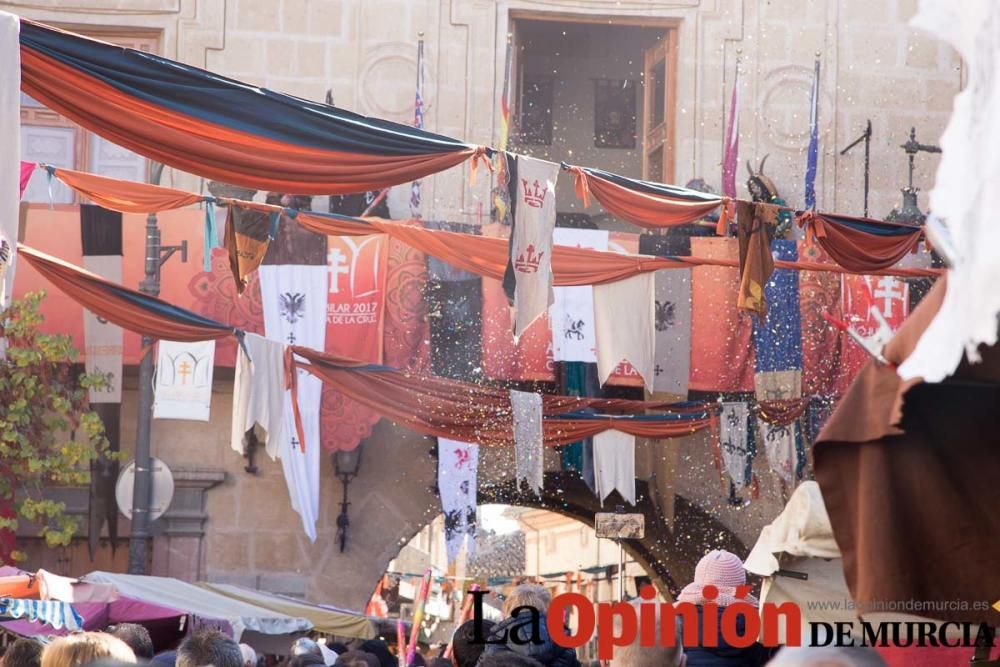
(668, 555)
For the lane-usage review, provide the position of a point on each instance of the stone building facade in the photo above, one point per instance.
(231, 525)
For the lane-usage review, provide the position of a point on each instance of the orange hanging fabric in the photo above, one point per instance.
(124, 196)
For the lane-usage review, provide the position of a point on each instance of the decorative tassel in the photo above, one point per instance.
(211, 235)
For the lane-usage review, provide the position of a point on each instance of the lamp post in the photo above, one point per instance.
(346, 463)
(156, 255)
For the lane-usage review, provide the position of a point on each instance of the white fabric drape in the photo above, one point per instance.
(294, 301)
(571, 316)
(779, 445)
(259, 393)
(458, 469)
(623, 317)
(103, 340)
(531, 243)
(734, 443)
(614, 464)
(672, 321)
(963, 194)
(183, 387)
(529, 444)
(10, 148)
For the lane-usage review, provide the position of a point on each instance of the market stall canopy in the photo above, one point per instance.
(909, 473)
(325, 620)
(42, 585)
(208, 608)
(58, 615)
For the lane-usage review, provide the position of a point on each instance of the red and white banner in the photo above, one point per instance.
(860, 296)
(355, 309)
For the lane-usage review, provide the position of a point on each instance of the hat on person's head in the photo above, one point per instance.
(721, 569)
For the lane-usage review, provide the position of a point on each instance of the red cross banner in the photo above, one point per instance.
(860, 297)
(183, 386)
(355, 307)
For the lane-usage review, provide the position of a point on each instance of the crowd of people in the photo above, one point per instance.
(510, 642)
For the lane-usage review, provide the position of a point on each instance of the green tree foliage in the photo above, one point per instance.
(48, 437)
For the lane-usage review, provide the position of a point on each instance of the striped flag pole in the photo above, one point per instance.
(731, 156)
(501, 195)
(418, 122)
(813, 155)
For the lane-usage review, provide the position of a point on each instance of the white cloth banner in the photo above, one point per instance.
(529, 444)
(183, 386)
(458, 470)
(963, 194)
(624, 316)
(672, 321)
(571, 315)
(614, 464)
(531, 244)
(259, 393)
(779, 445)
(10, 149)
(733, 442)
(102, 340)
(294, 301)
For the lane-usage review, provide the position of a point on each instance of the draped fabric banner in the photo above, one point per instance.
(247, 235)
(860, 297)
(124, 196)
(781, 444)
(10, 148)
(736, 442)
(755, 226)
(356, 302)
(259, 393)
(458, 468)
(644, 203)
(183, 386)
(672, 316)
(722, 354)
(531, 239)
(127, 308)
(530, 356)
(778, 338)
(218, 128)
(294, 299)
(571, 315)
(860, 244)
(819, 294)
(101, 241)
(624, 314)
(614, 465)
(528, 438)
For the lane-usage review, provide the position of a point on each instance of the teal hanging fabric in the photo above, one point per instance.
(211, 235)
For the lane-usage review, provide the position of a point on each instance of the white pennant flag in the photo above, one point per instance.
(102, 340)
(733, 442)
(183, 386)
(614, 464)
(10, 149)
(531, 242)
(458, 470)
(624, 312)
(779, 444)
(571, 316)
(529, 444)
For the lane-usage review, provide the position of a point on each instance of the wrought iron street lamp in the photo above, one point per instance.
(346, 463)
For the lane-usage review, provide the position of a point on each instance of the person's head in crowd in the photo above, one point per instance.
(136, 636)
(338, 647)
(164, 659)
(418, 661)
(635, 655)
(356, 659)
(306, 646)
(209, 648)
(439, 662)
(304, 660)
(380, 650)
(24, 652)
(507, 659)
(527, 595)
(827, 656)
(85, 647)
(465, 650)
(249, 655)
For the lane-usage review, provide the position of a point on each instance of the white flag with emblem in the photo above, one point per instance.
(183, 386)
(531, 243)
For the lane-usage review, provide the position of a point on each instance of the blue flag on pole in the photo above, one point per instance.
(813, 156)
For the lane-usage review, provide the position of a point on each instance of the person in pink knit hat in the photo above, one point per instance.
(724, 571)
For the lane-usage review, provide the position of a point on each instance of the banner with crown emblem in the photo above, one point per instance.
(183, 386)
(531, 240)
(355, 304)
